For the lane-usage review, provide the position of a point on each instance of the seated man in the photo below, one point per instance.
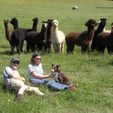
(13, 80)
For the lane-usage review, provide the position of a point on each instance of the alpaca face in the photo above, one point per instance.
(6, 22)
(13, 21)
(91, 23)
(35, 19)
(44, 24)
(102, 21)
(55, 23)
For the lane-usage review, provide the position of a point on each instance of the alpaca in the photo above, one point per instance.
(7, 31)
(104, 40)
(102, 23)
(37, 38)
(47, 41)
(15, 38)
(83, 39)
(57, 38)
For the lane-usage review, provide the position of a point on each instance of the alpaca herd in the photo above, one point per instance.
(96, 39)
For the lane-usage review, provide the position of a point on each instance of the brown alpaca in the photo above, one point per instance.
(7, 31)
(104, 40)
(84, 39)
(59, 75)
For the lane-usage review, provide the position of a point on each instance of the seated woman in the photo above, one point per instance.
(37, 76)
(13, 80)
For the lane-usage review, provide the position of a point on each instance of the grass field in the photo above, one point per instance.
(92, 72)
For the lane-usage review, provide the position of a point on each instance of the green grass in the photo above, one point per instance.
(92, 72)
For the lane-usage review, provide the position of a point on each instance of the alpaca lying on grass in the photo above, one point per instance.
(60, 77)
(57, 38)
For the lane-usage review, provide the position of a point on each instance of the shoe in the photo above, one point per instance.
(19, 98)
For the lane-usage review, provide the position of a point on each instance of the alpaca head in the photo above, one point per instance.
(6, 22)
(49, 21)
(44, 25)
(55, 23)
(14, 21)
(55, 68)
(91, 23)
(35, 19)
(102, 22)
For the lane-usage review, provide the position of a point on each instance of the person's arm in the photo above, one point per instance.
(9, 74)
(39, 76)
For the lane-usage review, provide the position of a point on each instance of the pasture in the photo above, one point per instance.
(91, 71)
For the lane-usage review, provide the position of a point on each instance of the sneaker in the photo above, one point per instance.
(19, 97)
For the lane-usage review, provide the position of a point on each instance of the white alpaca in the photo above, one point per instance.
(57, 38)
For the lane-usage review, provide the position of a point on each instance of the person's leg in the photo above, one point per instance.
(36, 81)
(35, 90)
(56, 86)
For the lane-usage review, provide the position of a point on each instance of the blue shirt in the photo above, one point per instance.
(7, 75)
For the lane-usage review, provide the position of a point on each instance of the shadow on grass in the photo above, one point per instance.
(7, 52)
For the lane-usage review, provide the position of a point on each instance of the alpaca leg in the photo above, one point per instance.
(70, 48)
(55, 47)
(110, 49)
(12, 49)
(84, 48)
(101, 49)
(28, 46)
(18, 49)
(62, 47)
(21, 47)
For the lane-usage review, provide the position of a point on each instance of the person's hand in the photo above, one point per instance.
(23, 79)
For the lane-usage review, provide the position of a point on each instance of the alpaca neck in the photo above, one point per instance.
(15, 25)
(100, 28)
(55, 29)
(49, 30)
(34, 27)
(90, 34)
(7, 32)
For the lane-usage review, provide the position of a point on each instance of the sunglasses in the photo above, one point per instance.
(38, 58)
(15, 62)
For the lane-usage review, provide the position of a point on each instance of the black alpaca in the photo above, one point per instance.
(47, 42)
(100, 28)
(37, 38)
(105, 40)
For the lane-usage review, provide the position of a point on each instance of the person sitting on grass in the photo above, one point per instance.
(13, 80)
(37, 76)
